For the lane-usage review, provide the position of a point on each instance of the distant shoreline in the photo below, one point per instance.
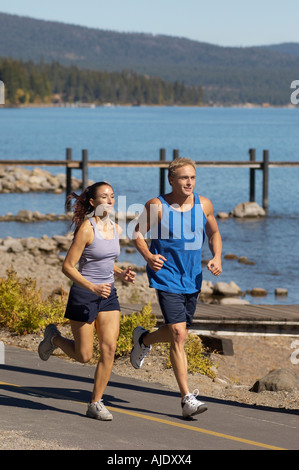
(130, 105)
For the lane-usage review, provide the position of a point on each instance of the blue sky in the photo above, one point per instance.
(221, 22)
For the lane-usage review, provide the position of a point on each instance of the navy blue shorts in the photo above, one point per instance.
(83, 305)
(177, 308)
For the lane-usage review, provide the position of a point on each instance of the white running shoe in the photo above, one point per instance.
(192, 406)
(99, 411)
(139, 351)
(46, 347)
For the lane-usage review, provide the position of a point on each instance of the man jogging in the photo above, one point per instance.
(177, 224)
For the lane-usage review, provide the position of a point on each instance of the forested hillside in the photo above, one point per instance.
(228, 75)
(27, 82)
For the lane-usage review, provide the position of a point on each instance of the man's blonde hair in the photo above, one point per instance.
(178, 163)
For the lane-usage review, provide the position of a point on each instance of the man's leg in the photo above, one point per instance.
(161, 335)
(178, 311)
(176, 335)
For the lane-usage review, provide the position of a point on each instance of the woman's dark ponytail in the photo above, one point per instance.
(82, 207)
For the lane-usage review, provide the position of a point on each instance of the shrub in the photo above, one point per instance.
(22, 308)
(197, 357)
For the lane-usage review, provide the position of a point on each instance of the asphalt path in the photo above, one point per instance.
(48, 401)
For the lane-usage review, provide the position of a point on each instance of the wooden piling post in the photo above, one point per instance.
(162, 171)
(84, 167)
(175, 154)
(266, 180)
(252, 177)
(68, 178)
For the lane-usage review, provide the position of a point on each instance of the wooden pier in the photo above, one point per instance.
(237, 319)
(162, 164)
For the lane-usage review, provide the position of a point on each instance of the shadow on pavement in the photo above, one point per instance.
(78, 395)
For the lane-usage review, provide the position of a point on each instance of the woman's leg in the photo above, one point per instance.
(107, 326)
(81, 347)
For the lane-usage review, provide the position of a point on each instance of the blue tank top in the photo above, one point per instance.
(179, 238)
(97, 260)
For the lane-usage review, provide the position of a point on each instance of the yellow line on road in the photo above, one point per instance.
(194, 428)
(167, 422)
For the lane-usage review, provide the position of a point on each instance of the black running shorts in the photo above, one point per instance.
(83, 305)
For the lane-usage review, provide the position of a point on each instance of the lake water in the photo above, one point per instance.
(137, 133)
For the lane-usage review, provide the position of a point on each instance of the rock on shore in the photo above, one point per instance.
(248, 209)
(277, 380)
(26, 216)
(42, 258)
(244, 210)
(14, 179)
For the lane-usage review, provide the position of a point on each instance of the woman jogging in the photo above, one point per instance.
(93, 300)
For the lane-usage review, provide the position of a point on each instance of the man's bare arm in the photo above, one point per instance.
(214, 237)
(149, 218)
